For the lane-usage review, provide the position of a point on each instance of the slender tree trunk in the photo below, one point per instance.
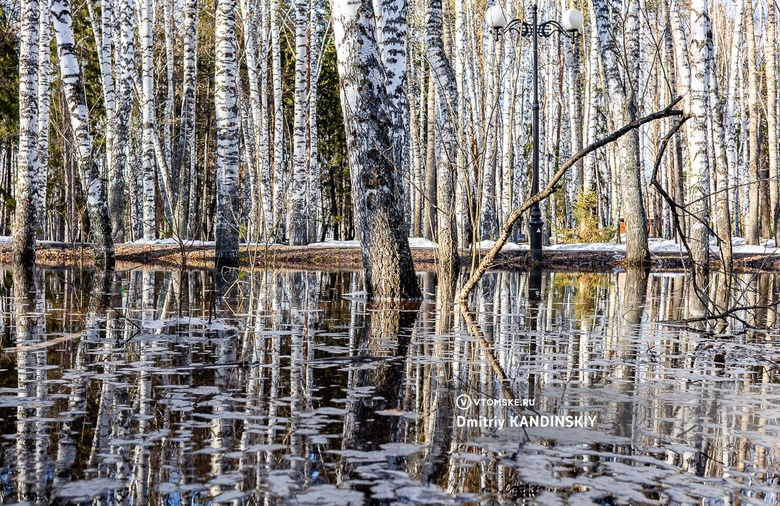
(27, 158)
(488, 219)
(314, 215)
(146, 34)
(297, 221)
(416, 158)
(589, 169)
(771, 117)
(44, 105)
(622, 109)
(575, 113)
(168, 6)
(722, 198)
(429, 204)
(698, 182)
(73, 85)
(387, 260)
(447, 99)
(731, 101)
(226, 109)
(754, 212)
(278, 114)
(119, 166)
(184, 164)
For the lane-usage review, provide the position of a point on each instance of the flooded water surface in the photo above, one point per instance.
(290, 388)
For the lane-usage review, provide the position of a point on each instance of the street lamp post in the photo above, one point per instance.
(570, 23)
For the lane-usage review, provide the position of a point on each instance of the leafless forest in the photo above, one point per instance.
(202, 120)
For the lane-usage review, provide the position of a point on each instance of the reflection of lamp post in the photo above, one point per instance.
(571, 22)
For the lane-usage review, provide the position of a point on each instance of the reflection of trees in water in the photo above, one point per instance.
(278, 370)
(32, 433)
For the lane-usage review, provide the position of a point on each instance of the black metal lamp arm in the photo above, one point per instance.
(545, 29)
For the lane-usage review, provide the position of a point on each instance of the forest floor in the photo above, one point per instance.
(324, 256)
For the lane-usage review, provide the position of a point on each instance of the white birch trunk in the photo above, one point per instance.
(593, 104)
(698, 182)
(447, 100)
(391, 35)
(168, 6)
(297, 222)
(227, 134)
(73, 85)
(387, 261)
(722, 199)
(315, 65)
(44, 108)
(250, 18)
(771, 117)
(731, 103)
(754, 121)
(488, 219)
(622, 108)
(278, 114)
(462, 176)
(27, 158)
(184, 164)
(119, 167)
(146, 34)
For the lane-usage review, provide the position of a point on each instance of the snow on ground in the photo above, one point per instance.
(335, 244)
(656, 245)
(486, 245)
(422, 243)
(170, 241)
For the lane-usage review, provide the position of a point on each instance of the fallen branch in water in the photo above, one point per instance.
(515, 215)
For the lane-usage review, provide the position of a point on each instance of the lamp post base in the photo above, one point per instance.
(535, 227)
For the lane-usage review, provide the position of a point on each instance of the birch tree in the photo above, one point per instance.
(391, 35)
(184, 161)
(146, 34)
(27, 185)
(119, 165)
(278, 115)
(447, 100)
(297, 217)
(73, 85)
(387, 260)
(722, 212)
(771, 117)
(697, 132)
(622, 109)
(44, 108)
(227, 134)
(752, 228)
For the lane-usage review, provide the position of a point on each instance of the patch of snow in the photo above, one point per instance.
(588, 246)
(508, 246)
(756, 250)
(657, 245)
(335, 244)
(422, 243)
(155, 242)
